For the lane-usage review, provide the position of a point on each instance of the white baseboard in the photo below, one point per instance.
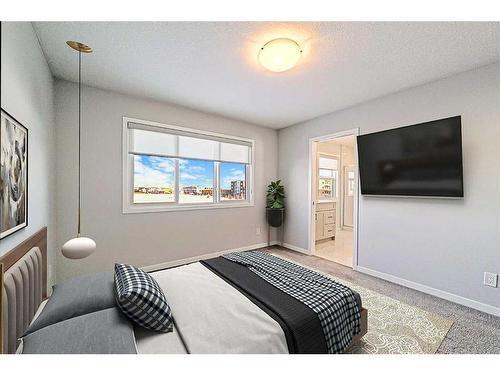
(489, 309)
(180, 262)
(295, 248)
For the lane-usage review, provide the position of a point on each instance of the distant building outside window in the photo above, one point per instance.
(233, 181)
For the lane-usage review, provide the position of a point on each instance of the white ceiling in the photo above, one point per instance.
(212, 66)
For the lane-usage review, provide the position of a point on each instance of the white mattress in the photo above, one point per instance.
(211, 316)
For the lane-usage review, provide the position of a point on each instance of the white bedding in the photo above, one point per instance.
(211, 316)
(149, 342)
(37, 314)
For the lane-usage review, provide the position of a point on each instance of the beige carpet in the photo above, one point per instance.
(395, 327)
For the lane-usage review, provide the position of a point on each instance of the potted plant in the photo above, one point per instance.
(275, 205)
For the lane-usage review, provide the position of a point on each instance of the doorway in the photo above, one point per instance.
(334, 197)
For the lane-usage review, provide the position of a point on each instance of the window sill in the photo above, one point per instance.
(140, 209)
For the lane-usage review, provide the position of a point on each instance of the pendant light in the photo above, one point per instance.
(79, 247)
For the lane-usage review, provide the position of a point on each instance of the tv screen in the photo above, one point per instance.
(417, 160)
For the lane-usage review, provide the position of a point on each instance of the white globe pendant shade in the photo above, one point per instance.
(78, 248)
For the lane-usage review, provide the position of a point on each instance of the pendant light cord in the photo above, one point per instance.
(79, 132)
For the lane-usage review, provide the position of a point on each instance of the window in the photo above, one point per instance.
(154, 179)
(232, 181)
(196, 181)
(173, 168)
(327, 177)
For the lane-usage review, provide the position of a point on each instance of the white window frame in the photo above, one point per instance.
(128, 174)
(328, 156)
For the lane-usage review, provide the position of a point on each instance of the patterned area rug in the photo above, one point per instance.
(395, 327)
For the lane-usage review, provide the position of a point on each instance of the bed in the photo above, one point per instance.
(218, 305)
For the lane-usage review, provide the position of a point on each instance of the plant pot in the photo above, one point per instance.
(275, 216)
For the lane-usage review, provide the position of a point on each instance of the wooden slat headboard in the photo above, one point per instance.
(38, 240)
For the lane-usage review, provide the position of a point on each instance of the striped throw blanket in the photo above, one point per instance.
(334, 303)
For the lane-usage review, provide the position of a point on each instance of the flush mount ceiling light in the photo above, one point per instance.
(279, 55)
(79, 247)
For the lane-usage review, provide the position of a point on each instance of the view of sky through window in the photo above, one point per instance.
(154, 180)
(196, 181)
(232, 181)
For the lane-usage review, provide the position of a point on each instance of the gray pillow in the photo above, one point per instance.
(75, 297)
(101, 332)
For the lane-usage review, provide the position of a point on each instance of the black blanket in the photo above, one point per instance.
(334, 303)
(301, 325)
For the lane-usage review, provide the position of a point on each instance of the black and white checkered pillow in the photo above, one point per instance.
(141, 299)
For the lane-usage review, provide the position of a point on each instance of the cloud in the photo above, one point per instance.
(188, 176)
(152, 175)
(153, 171)
(232, 175)
(195, 179)
(196, 168)
(192, 173)
(159, 163)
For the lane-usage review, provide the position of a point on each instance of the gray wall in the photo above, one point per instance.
(27, 94)
(146, 238)
(441, 243)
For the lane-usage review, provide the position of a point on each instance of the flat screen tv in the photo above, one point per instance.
(416, 160)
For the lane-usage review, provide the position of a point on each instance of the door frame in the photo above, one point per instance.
(312, 164)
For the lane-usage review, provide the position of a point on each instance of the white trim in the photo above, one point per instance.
(327, 155)
(312, 183)
(128, 207)
(183, 207)
(180, 262)
(330, 136)
(343, 226)
(296, 248)
(489, 309)
(16, 228)
(312, 195)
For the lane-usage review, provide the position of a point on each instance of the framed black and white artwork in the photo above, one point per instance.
(13, 175)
